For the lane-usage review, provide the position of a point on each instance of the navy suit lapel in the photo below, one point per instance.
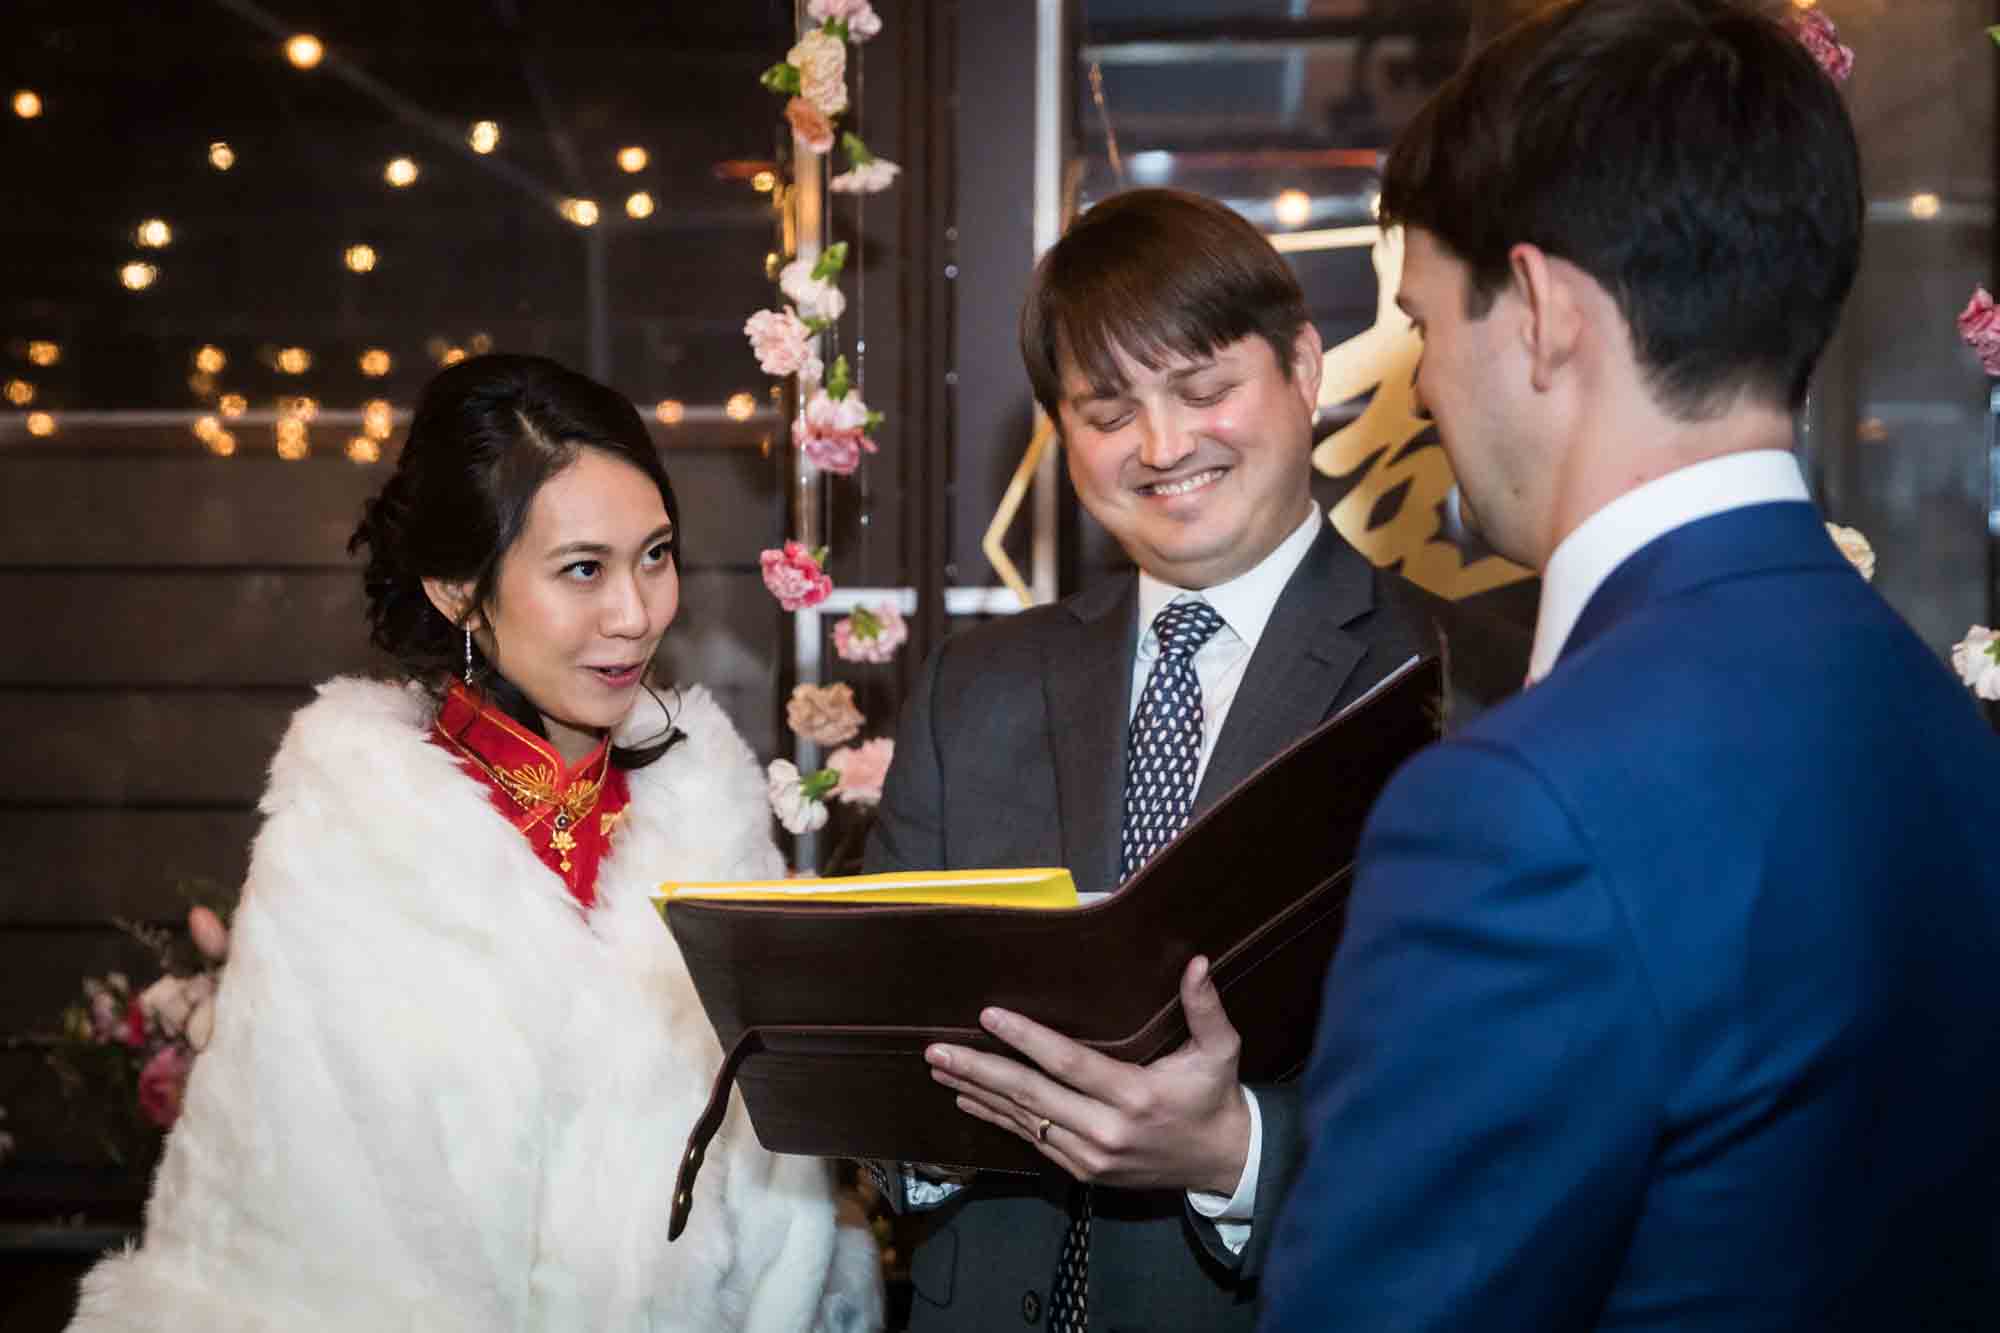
(1087, 681)
(1303, 659)
(1786, 534)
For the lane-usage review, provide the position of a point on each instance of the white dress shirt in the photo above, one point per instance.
(1583, 560)
(1245, 604)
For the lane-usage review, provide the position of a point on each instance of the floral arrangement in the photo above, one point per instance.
(835, 430)
(1976, 657)
(139, 1045)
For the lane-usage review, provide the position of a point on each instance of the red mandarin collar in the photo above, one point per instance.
(567, 812)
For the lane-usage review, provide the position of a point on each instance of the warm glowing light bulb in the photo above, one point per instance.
(292, 442)
(20, 393)
(740, 407)
(221, 156)
(484, 136)
(232, 405)
(452, 356)
(583, 212)
(154, 234)
(304, 50)
(42, 352)
(300, 408)
(27, 104)
(1293, 207)
(294, 360)
(1925, 206)
(201, 384)
(639, 205)
(764, 182)
(138, 275)
(377, 419)
(222, 444)
(41, 425)
(479, 344)
(375, 363)
(211, 359)
(670, 411)
(360, 258)
(400, 172)
(633, 158)
(206, 428)
(363, 450)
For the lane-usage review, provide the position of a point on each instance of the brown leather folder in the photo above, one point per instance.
(826, 1008)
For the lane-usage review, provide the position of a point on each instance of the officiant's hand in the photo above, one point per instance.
(1180, 1122)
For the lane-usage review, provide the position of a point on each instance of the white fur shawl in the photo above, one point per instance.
(441, 1098)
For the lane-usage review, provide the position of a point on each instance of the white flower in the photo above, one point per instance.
(783, 344)
(871, 177)
(1855, 547)
(785, 790)
(821, 60)
(816, 298)
(1976, 658)
(862, 20)
(170, 1001)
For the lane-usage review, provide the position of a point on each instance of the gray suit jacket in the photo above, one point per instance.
(1011, 752)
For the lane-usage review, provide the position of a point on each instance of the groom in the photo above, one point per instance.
(1670, 993)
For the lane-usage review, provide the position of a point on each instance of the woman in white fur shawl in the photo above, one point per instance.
(456, 1053)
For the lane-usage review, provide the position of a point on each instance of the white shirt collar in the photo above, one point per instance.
(1245, 602)
(1585, 559)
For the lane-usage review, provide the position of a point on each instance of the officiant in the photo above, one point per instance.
(1171, 346)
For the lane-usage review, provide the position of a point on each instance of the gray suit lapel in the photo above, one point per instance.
(1087, 678)
(1302, 662)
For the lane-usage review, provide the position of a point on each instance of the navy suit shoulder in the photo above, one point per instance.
(1668, 962)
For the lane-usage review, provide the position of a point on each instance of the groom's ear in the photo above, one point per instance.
(1550, 317)
(454, 603)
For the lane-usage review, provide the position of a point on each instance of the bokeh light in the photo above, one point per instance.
(221, 156)
(210, 358)
(360, 258)
(154, 234)
(27, 103)
(583, 212)
(41, 425)
(639, 205)
(376, 363)
(20, 393)
(633, 159)
(138, 275)
(670, 411)
(740, 407)
(1293, 207)
(304, 51)
(400, 172)
(363, 450)
(484, 136)
(294, 360)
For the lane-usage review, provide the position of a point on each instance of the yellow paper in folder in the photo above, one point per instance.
(1041, 888)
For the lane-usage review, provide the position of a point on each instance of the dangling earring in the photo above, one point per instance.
(468, 657)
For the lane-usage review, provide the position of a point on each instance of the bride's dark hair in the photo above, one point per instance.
(488, 433)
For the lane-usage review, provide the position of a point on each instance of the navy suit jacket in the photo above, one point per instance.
(1670, 993)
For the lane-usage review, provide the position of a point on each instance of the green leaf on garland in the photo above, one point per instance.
(835, 28)
(831, 261)
(819, 555)
(1994, 33)
(782, 78)
(819, 784)
(817, 324)
(874, 422)
(864, 623)
(837, 379)
(857, 151)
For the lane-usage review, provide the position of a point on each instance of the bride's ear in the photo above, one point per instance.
(454, 603)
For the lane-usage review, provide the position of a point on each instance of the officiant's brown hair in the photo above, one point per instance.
(1689, 155)
(1154, 274)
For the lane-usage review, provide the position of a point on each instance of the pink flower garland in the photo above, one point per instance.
(1979, 326)
(795, 577)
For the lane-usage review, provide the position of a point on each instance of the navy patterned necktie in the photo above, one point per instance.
(1162, 755)
(1163, 750)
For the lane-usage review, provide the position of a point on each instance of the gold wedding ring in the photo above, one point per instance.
(1042, 1130)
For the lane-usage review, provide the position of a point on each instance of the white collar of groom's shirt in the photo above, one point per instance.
(1586, 558)
(1245, 602)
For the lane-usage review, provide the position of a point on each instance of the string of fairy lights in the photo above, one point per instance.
(221, 413)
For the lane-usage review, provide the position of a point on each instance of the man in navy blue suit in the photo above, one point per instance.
(1670, 993)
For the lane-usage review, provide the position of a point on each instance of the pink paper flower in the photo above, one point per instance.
(794, 797)
(859, 16)
(1976, 658)
(816, 298)
(810, 126)
(783, 344)
(162, 1082)
(871, 634)
(821, 60)
(794, 577)
(823, 714)
(870, 177)
(1815, 29)
(862, 769)
(1979, 325)
(833, 432)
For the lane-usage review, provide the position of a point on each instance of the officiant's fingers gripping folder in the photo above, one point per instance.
(826, 993)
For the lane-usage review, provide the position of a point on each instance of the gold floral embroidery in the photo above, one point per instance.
(606, 824)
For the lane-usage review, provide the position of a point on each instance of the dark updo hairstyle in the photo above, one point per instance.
(488, 433)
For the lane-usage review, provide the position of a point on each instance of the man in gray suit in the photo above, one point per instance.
(1172, 347)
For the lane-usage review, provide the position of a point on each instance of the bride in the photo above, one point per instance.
(456, 1053)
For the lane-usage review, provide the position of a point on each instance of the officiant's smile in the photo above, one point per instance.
(1196, 464)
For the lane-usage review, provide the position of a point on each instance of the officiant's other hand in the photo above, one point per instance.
(1180, 1122)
